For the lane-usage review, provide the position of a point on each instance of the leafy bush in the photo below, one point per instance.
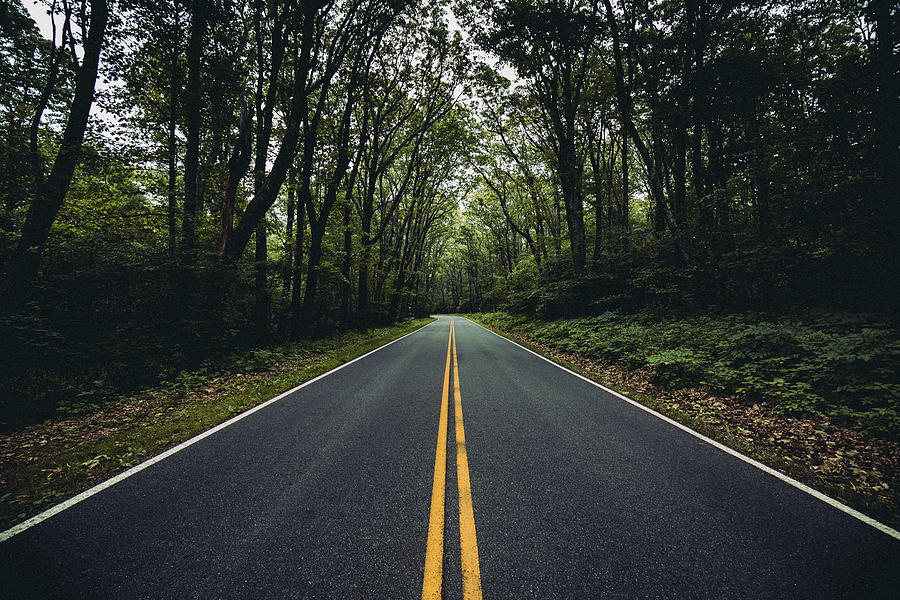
(677, 367)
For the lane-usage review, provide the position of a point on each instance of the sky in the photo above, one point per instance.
(38, 12)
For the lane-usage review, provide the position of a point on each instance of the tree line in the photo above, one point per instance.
(686, 153)
(183, 177)
(243, 117)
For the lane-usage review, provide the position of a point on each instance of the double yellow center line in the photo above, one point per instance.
(434, 554)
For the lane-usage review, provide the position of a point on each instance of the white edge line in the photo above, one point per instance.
(29, 523)
(789, 480)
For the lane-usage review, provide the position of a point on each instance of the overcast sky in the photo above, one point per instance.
(38, 12)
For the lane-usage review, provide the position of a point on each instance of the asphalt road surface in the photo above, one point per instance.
(548, 487)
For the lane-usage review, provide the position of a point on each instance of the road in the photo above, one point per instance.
(340, 490)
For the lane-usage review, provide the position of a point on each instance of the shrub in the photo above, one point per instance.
(677, 367)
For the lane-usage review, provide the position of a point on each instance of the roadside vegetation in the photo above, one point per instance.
(44, 464)
(815, 396)
(840, 365)
(703, 193)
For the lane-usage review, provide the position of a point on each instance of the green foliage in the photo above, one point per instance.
(781, 189)
(676, 367)
(103, 323)
(846, 365)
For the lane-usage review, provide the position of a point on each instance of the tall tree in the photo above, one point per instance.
(51, 190)
(404, 97)
(194, 117)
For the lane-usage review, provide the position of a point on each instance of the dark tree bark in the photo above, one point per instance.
(265, 107)
(384, 149)
(679, 174)
(571, 185)
(345, 268)
(52, 191)
(594, 157)
(318, 219)
(194, 118)
(260, 279)
(626, 193)
(175, 84)
(540, 255)
(289, 234)
(560, 97)
(368, 41)
(351, 36)
(500, 192)
(237, 168)
(656, 181)
(296, 296)
(403, 249)
(682, 112)
(57, 53)
(266, 194)
(346, 286)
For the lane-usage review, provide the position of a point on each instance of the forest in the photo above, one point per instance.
(181, 179)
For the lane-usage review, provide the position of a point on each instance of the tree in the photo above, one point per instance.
(404, 98)
(550, 44)
(50, 189)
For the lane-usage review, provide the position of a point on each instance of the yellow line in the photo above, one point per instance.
(471, 573)
(434, 553)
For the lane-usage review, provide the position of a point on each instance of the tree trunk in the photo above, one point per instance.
(194, 119)
(172, 145)
(345, 267)
(53, 66)
(237, 168)
(556, 224)
(574, 209)
(362, 291)
(298, 272)
(366, 215)
(289, 235)
(264, 111)
(593, 156)
(679, 174)
(346, 286)
(656, 183)
(626, 204)
(268, 191)
(319, 222)
(52, 192)
(260, 280)
(657, 172)
(317, 234)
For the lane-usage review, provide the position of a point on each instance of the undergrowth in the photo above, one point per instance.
(845, 366)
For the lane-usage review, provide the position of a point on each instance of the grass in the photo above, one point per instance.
(45, 464)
